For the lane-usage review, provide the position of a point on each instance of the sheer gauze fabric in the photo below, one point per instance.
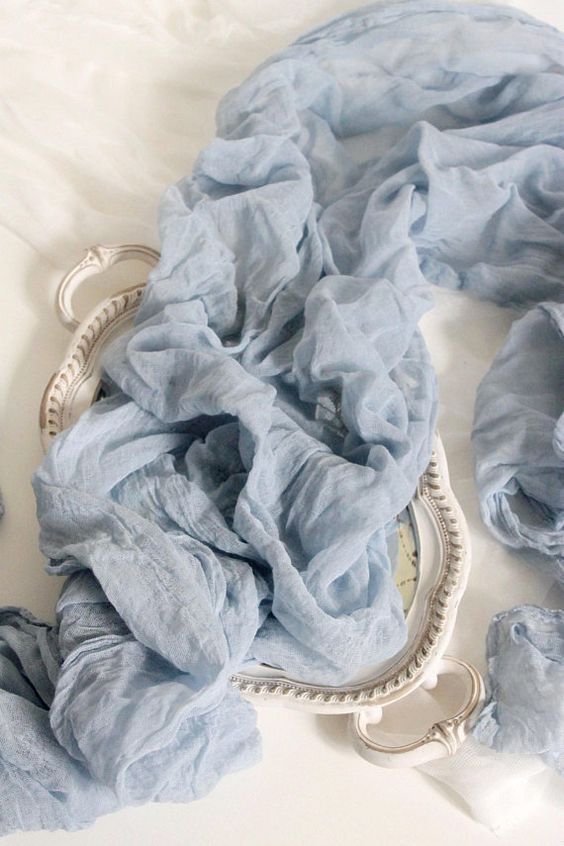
(273, 407)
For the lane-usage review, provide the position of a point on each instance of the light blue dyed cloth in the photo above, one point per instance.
(519, 447)
(273, 407)
(519, 434)
(525, 711)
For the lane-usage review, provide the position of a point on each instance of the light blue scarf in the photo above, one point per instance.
(271, 411)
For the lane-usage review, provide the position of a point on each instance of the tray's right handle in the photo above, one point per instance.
(444, 737)
(96, 260)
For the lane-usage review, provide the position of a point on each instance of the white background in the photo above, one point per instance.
(102, 104)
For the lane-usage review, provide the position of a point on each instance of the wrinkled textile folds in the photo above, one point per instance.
(273, 407)
(526, 676)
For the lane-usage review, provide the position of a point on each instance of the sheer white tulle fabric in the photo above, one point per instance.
(499, 790)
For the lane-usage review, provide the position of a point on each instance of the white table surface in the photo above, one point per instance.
(311, 787)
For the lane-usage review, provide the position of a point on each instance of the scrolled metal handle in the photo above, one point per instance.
(96, 260)
(442, 739)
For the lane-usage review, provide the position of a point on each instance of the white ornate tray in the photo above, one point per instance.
(431, 571)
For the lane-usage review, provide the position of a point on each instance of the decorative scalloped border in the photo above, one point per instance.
(55, 409)
(86, 343)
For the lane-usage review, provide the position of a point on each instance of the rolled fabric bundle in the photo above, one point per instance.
(517, 441)
(517, 437)
(525, 711)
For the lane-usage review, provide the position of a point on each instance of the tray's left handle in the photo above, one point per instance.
(96, 260)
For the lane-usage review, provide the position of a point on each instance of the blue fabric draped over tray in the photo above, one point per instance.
(272, 409)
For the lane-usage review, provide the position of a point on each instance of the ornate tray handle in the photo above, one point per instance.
(96, 260)
(443, 739)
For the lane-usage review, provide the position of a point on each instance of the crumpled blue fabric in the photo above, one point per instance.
(525, 709)
(273, 407)
(519, 451)
(519, 437)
